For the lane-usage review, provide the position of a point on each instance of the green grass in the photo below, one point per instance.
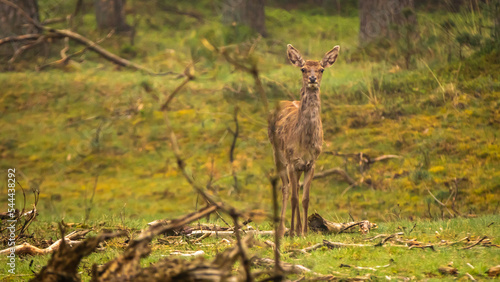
(441, 116)
(411, 263)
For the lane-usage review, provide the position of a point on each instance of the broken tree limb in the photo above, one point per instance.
(25, 37)
(475, 243)
(63, 265)
(318, 223)
(128, 264)
(93, 46)
(337, 171)
(365, 268)
(229, 234)
(28, 249)
(285, 266)
(308, 249)
(337, 245)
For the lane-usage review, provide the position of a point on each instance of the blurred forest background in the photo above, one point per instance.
(83, 125)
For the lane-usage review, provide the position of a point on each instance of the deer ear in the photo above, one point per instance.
(294, 56)
(330, 57)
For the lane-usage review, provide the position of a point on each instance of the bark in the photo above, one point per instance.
(247, 12)
(381, 19)
(110, 14)
(13, 23)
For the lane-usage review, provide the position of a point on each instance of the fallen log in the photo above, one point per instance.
(318, 223)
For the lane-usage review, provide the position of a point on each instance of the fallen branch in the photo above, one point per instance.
(52, 32)
(28, 249)
(128, 264)
(229, 234)
(364, 268)
(285, 266)
(337, 171)
(384, 235)
(476, 243)
(63, 264)
(65, 58)
(308, 249)
(318, 223)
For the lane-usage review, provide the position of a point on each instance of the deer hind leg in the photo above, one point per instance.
(308, 176)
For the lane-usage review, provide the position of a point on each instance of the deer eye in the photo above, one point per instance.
(303, 70)
(322, 70)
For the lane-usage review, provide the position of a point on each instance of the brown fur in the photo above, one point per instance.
(296, 133)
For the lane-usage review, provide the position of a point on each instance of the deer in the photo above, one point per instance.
(296, 134)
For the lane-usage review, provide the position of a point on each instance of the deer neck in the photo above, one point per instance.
(310, 107)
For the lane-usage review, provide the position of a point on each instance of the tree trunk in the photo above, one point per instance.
(12, 22)
(247, 12)
(110, 14)
(381, 19)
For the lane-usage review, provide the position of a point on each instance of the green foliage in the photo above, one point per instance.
(61, 128)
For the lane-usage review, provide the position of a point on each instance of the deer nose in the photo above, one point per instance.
(312, 79)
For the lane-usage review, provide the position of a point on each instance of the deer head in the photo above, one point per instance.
(312, 71)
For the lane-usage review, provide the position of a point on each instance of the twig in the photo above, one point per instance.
(287, 267)
(29, 249)
(244, 258)
(233, 145)
(364, 268)
(470, 276)
(65, 59)
(476, 243)
(176, 90)
(308, 249)
(338, 171)
(439, 202)
(422, 247)
(278, 271)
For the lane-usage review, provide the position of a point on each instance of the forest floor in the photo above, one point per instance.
(91, 139)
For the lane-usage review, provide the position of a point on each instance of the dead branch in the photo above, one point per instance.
(439, 202)
(318, 223)
(128, 264)
(384, 235)
(189, 73)
(84, 41)
(252, 70)
(308, 249)
(233, 145)
(470, 276)
(243, 252)
(365, 268)
(28, 249)
(64, 262)
(66, 58)
(475, 243)
(337, 245)
(25, 37)
(23, 48)
(230, 234)
(285, 266)
(418, 246)
(337, 171)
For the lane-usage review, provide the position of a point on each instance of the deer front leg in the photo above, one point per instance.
(294, 185)
(308, 176)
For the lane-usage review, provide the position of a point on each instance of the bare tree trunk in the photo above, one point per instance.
(248, 12)
(110, 14)
(13, 23)
(381, 18)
